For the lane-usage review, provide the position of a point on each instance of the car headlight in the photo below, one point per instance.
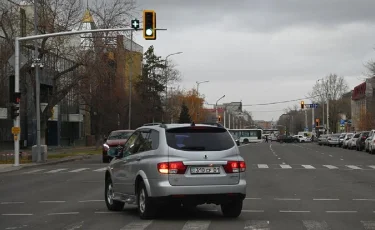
(105, 146)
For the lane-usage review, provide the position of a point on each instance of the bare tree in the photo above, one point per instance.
(331, 88)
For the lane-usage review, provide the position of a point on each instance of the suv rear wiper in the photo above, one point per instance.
(193, 148)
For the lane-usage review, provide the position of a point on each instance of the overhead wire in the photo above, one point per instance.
(282, 102)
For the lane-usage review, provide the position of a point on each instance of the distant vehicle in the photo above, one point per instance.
(177, 164)
(248, 135)
(115, 139)
(287, 139)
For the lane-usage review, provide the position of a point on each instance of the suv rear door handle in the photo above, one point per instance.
(139, 159)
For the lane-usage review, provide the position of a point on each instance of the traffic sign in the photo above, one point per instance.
(342, 122)
(306, 129)
(135, 24)
(16, 130)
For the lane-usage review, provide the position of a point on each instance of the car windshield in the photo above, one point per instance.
(117, 135)
(198, 138)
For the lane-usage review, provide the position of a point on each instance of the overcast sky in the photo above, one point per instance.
(261, 51)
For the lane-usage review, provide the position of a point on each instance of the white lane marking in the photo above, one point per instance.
(368, 225)
(137, 225)
(372, 166)
(330, 166)
(325, 199)
(262, 166)
(330, 155)
(52, 201)
(315, 225)
(56, 170)
(100, 170)
(257, 225)
(308, 166)
(287, 199)
(364, 199)
(87, 201)
(285, 166)
(341, 211)
(196, 225)
(286, 211)
(279, 158)
(79, 170)
(252, 198)
(34, 171)
(17, 214)
(352, 166)
(342, 159)
(15, 202)
(63, 213)
(245, 210)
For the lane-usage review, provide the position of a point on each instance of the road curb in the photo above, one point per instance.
(67, 159)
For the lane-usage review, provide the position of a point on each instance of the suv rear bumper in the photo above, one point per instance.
(199, 199)
(162, 188)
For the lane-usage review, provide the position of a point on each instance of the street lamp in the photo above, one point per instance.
(216, 105)
(198, 83)
(166, 76)
(322, 79)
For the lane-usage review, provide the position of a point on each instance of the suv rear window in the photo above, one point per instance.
(199, 138)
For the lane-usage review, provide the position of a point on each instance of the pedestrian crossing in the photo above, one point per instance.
(302, 166)
(246, 225)
(254, 166)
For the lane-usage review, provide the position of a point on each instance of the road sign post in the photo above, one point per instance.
(16, 121)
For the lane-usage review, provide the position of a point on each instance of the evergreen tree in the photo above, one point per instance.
(184, 115)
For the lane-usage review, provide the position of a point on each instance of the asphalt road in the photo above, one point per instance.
(290, 186)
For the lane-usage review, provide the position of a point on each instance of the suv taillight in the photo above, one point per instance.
(172, 167)
(235, 166)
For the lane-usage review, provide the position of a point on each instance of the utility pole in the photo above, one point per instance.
(224, 119)
(36, 63)
(329, 96)
(198, 83)
(229, 120)
(130, 80)
(312, 119)
(306, 124)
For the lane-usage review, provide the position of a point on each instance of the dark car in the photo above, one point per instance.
(287, 139)
(360, 143)
(115, 139)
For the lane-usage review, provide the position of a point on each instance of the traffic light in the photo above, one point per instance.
(219, 118)
(15, 109)
(302, 104)
(149, 25)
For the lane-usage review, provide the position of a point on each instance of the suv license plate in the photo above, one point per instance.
(205, 170)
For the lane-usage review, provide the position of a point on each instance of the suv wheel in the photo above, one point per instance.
(112, 205)
(146, 209)
(232, 209)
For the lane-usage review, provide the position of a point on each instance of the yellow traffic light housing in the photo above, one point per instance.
(302, 104)
(149, 25)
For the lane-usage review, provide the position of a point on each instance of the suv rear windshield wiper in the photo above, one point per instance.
(193, 148)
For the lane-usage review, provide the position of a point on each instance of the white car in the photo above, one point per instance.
(347, 138)
(371, 144)
(352, 143)
(302, 138)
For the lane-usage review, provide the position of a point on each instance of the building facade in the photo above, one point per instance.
(363, 105)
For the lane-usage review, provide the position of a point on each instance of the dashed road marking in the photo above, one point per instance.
(352, 166)
(100, 170)
(79, 170)
(63, 213)
(52, 201)
(325, 199)
(341, 211)
(257, 225)
(315, 225)
(137, 225)
(308, 166)
(56, 170)
(287, 199)
(296, 211)
(285, 166)
(17, 214)
(330, 166)
(196, 225)
(13, 202)
(262, 166)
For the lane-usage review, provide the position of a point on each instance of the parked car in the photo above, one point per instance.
(322, 140)
(177, 164)
(372, 145)
(333, 140)
(360, 144)
(302, 138)
(115, 139)
(353, 141)
(341, 139)
(347, 138)
(367, 142)
(287, 139)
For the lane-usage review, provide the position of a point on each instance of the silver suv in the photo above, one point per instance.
(177, 164)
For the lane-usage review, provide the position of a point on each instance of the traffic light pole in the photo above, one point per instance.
(16, 121)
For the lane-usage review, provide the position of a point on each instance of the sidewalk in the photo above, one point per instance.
(55, 156)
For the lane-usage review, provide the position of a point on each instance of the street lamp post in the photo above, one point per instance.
(198, 83)
(166, 77)
(322, 79)
(216, 106)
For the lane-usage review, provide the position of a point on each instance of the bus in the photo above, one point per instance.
(247, 135)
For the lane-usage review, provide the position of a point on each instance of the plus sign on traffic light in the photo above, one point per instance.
(135, 24)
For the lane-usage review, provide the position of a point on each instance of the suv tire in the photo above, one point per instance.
(146, 209)
(112, 205)
(232, 209)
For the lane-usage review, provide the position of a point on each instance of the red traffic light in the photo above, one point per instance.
(17, 98)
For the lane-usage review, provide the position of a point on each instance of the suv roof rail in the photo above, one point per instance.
(151, 124)
(163, 126)
(214, 124)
